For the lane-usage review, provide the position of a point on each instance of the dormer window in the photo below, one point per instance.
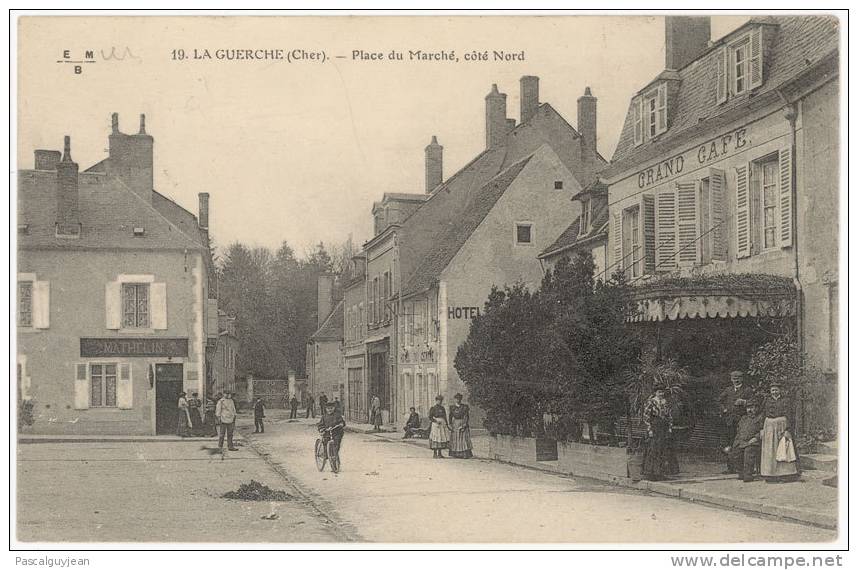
(740, 65)
(650, 113)
(585, 217)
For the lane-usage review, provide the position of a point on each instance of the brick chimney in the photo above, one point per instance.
(326, 297)
(434, 165)
(529, 97)
(496, 123)
(685, 39)
(68, 211)
(130, 158)
(203, 219)
(587, 125)
(47, 159)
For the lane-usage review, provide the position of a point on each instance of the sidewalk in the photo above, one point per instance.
(84, 438)
(808, 501)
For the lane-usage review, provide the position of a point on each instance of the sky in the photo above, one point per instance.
(299, 151)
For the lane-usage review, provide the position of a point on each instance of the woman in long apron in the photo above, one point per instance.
(777, 432)
(460, 430)
(439, 432)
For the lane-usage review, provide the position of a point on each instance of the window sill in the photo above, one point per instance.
(136, 331)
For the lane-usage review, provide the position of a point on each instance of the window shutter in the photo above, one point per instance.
(41, 304)
(158, 298)
(124, 388)
(113, 305)
(618, 241)
(661, 108)
(648, 228)
(755, 63)
(81, 387)
(717, 213)
(743, 213)
(721, 75)
(687, 222)
(665, 229)
(638, 119)
(786, 205)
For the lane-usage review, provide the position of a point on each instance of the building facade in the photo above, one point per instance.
(324, 361)
(113, 296)
(354, 335)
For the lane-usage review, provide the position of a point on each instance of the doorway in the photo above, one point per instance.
(168, 386)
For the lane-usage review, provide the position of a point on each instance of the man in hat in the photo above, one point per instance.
(732, 402)
(225, 413)
(332, 418)
(745, 450)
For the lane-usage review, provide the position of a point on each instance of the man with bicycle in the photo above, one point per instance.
(331, 419)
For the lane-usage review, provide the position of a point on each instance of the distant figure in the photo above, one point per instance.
(745, 450)
(311, 407)
(375, 413)
(439, 433)
(323, 402)
(659, 461)
(412, 426)
(210, 419)
(258, 414)
(184, 423)
(293, 403)
(732, 401)
(338, 405)
(779, 459)
(225, 413)
(460, 430)
(194, 405)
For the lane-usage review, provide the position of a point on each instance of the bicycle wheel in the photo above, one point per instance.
(334, 456)
(321, 455)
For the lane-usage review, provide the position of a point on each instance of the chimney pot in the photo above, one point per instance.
(67, 149)
(114, 123)
(685, 39)
(587, 125)
(142, 124)
(434, 164)
(496, 124)
(529, 97)
(68, 215)
(204, 210)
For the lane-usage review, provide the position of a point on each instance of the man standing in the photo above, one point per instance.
(745, 449)
(258, 414)
(733, 401)
(311, 406)
(225, 413)
(293, 403)
(323, 403)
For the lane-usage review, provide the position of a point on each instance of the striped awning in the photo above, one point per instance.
(670, 307)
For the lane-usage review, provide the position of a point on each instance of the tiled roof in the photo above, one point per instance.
(570, 237)
(799, 43)
(109, 212)
(179, 217)
(332, 328)
(459, 230)
(406, 197)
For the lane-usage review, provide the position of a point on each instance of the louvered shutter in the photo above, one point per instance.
(661, 108)
(785, 202)
(665, 230)
(41, 304)
(124, 388)
(648, 229)
(743, 213)
(755, 63)
(617, 235)
(721, 75)
(687, 223)
(113, 305)
(717, 213)
(638, 119)
(158, 298)
(81, 387)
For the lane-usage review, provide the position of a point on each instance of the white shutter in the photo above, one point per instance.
(743, 213)
(661, 109)
(41, 304)
(721, 75)
(687, 223)
(648, 232)
(717, 213)
(665, 230)
(618, 241)
(81, 387)
(785, 202)
(638, 119)
(158, 298)
(113, 305)
(755, 63)
(124, 387)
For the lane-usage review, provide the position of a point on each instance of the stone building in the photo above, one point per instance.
(115, 292)
(324, 348)
(723, 195)
(354, 334)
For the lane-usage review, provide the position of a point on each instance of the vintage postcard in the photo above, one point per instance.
(427, 279)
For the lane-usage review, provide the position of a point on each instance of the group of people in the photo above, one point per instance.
(214, 418)
(447, 431)
(758, 437)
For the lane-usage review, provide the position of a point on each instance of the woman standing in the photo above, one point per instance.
(210, 419)
(184, 422)
(194, 405)
(460, 430)
(778, 457)
(439, 432)
(658, 456)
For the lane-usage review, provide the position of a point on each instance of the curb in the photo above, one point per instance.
(117, 439)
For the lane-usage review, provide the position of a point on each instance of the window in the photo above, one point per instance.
(25, 303)
(523, 233)
(558, 185)
(769, 180)
(739, 67)
(420, 322)
(650, 114)
(102, 385)
(135, 305)
(632, 241)
(386, 295)
(585, 217)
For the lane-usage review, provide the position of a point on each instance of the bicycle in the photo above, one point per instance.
(327, 451)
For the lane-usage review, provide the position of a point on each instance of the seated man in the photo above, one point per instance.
(412, 426)
(330, 419)
(745, 450)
